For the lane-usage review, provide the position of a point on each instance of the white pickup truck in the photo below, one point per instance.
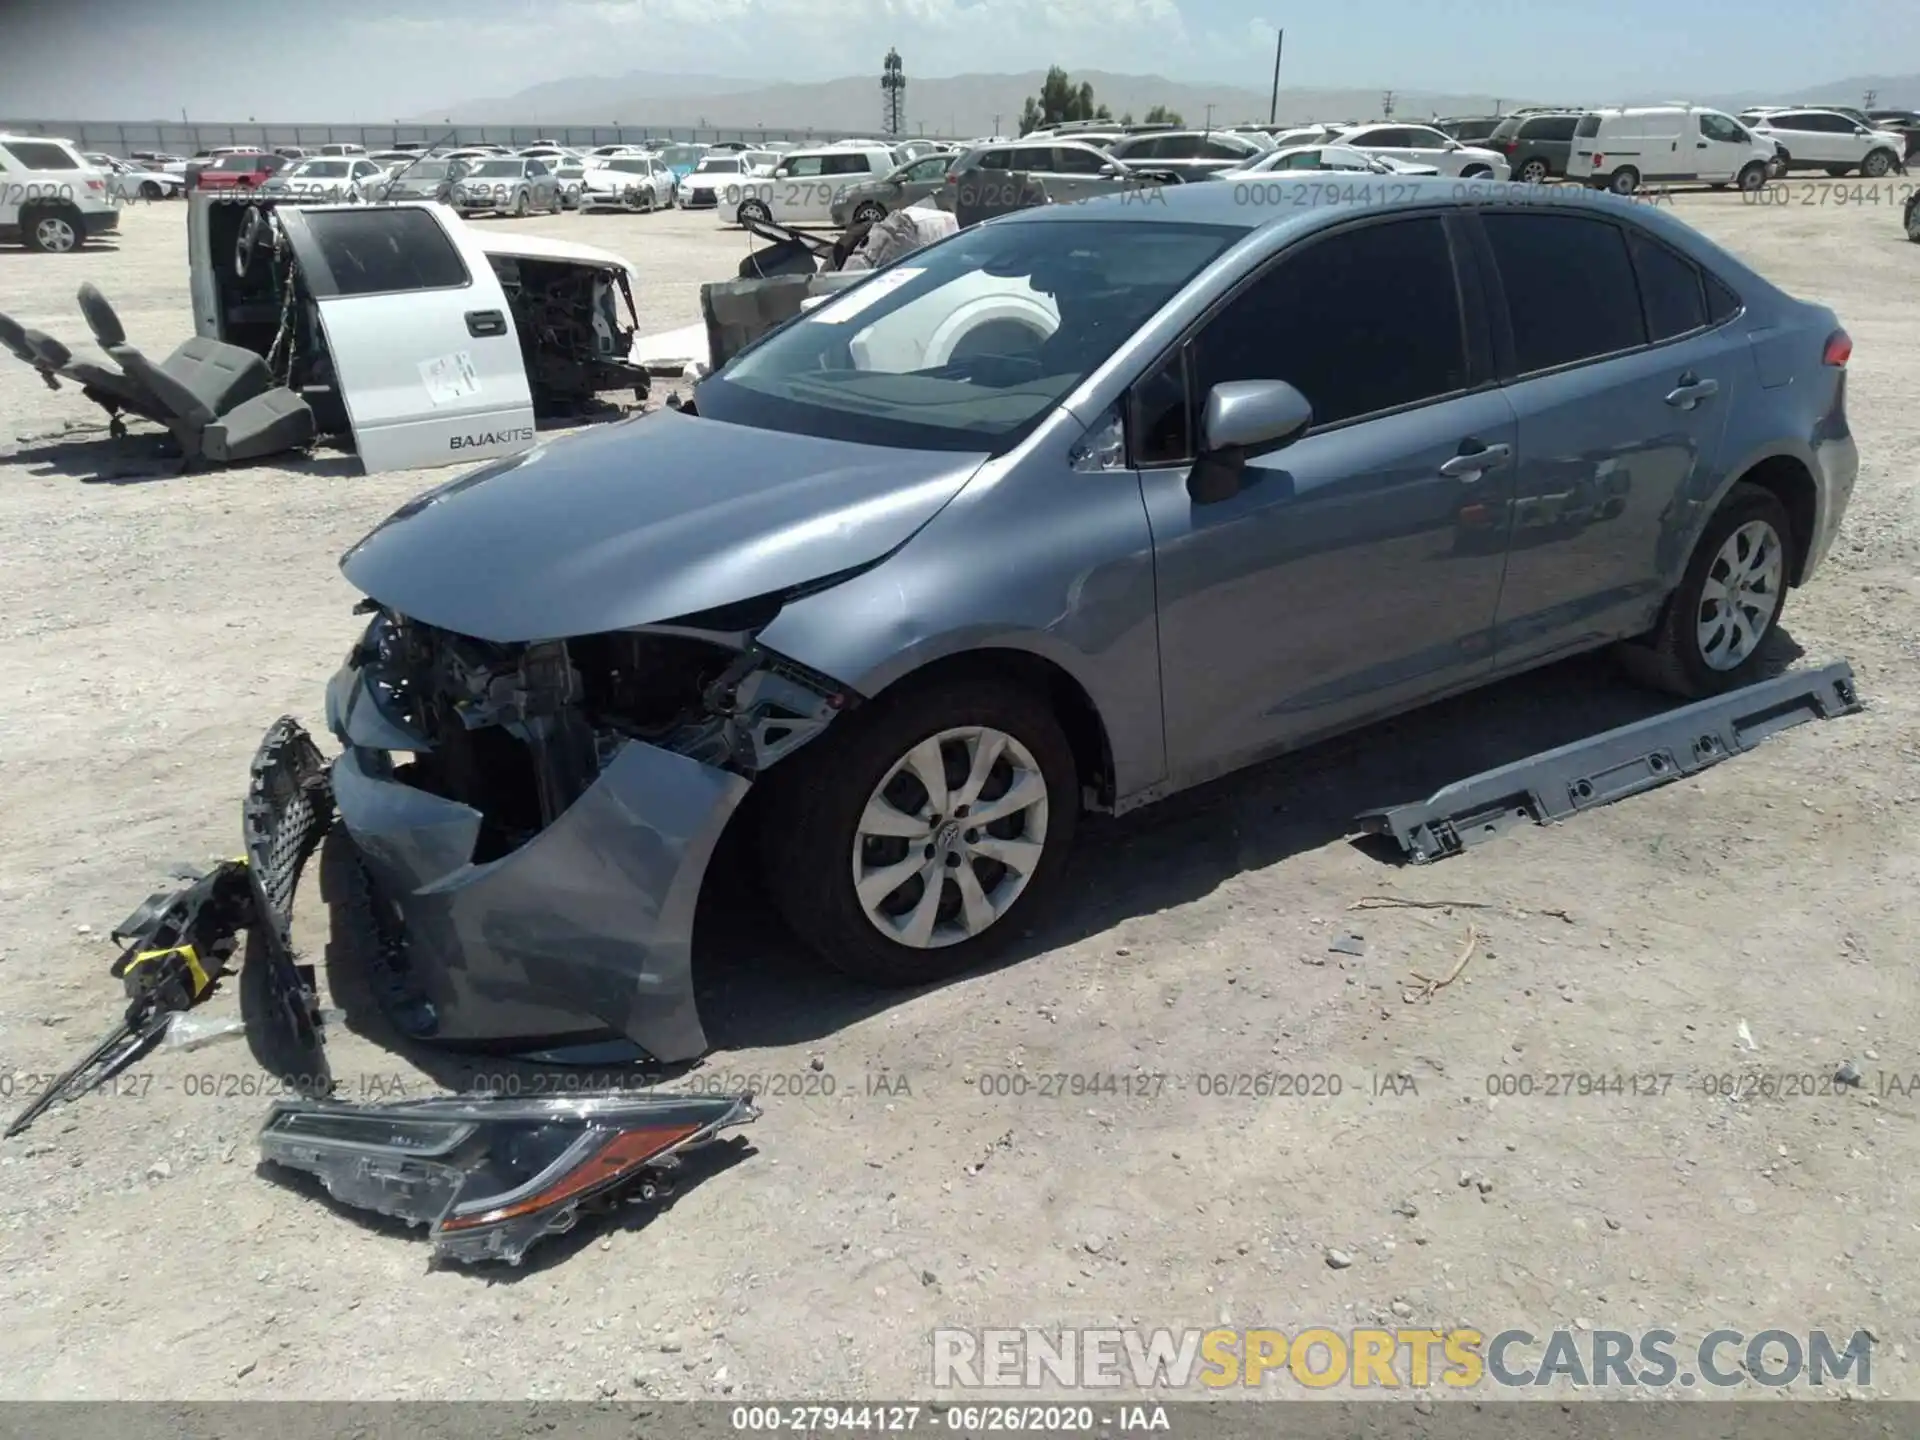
(427, 340)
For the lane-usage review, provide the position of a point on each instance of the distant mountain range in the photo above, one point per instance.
(981, 104)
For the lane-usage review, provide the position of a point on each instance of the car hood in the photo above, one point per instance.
(642, 521)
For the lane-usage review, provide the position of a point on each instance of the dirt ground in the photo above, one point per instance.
(152, 627)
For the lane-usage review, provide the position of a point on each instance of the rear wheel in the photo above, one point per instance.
(909, 842)
(1534, 172)
(1912, 218)
(1624, 181)
(753, 210)
(150, 190)
(1715, 626)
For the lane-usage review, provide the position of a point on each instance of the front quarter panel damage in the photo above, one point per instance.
(539, 852)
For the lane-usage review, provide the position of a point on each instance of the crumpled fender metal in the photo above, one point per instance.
(589, 924)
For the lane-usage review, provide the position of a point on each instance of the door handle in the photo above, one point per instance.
(486, 322)
(1691, 391)
(1471, 464)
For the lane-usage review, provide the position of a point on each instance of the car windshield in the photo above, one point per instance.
(320, 170)
(429, 170)
(241, 162)
(968, 344)
(491, 168)
(628, 165)
(683, 154)
(718, 165)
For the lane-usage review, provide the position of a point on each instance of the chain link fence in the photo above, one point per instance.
(122, 139)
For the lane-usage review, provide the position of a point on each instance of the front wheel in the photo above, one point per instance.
(1753, 176)
(753, 210)
(908, 843)
(869, 213)
(150, 190)
(1715, 626)
(1877, 164)
(520, 206)
(1911, 219)
(56, 231)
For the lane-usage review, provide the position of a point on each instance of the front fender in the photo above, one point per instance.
(1032, 556)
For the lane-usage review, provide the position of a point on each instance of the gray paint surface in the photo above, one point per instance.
(587, 926)
(644, 520)
(1348, 578)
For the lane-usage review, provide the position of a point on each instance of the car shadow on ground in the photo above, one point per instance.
(758, 987)
(89, 454)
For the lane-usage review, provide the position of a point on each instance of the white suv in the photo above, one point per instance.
(1827, 140)
(50, 198)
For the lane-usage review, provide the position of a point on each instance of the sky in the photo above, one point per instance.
(377, 60)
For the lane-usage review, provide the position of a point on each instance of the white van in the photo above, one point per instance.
(1617, 150)
(804, 185)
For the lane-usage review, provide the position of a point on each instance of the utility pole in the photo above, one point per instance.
(1209, 117)
(996, 126)
(1867, 101)
(1273, 105)
(1386, 105)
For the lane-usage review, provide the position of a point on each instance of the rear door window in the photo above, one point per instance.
(1570, 287)
(1670, 289)
(995, 160)
(376, 251)
(41, 155)
(1550, 127)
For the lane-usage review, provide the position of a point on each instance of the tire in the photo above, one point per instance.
(558, 203)
(1752, 177)
(752, 210)
(1878, 163)
(520, 205)
(52, 229)
(1911, 220)
(869, 212)
(1782, 162)
(150, 190)
(1671, 657)
(1534, 172)
(1624, 181)
(811, 841)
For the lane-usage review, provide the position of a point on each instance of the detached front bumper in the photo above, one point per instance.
(584, 931)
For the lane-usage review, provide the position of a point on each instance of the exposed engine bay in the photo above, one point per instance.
(520, 732)
(574, 318)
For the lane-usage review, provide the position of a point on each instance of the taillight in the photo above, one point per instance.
(96, 184)
(1598, 159)
(1839, 349)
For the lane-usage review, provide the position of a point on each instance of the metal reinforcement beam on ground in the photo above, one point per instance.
(118, 137)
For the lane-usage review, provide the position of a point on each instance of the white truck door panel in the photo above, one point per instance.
(423, 342)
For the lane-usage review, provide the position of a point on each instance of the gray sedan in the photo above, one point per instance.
(430, 179)
(515, 185)
(1071, 511)
(876, 199)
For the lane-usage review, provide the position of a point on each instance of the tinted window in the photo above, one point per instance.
(1588, 127)
(1070, 160)
(1718, 127)
(1160, 414)
(1032, 157)
(931, 168)
(1669, 289)
(1570, 288)
(1792, 120)
(1303, 160)
(1550, 127)
(1364, 320)
(1220, 147)
(1426, 139)
(374, 251)
(995, 160)
(804, 165)
(851, 162)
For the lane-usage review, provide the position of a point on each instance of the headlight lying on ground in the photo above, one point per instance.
(491, 1176)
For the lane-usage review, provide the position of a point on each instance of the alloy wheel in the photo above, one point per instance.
(950, 837)
(56, 234)
(1741, 596)
(1533, 172)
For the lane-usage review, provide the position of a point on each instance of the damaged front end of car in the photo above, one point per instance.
(535, 820)
(491, 1175)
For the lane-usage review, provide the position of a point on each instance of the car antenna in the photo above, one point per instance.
(394, 179)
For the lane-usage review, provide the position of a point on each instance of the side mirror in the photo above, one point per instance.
(1243, 419)
(1112, 168)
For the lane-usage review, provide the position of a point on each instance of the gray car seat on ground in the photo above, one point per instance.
(270, 422)
(220, 399)
(110, 389)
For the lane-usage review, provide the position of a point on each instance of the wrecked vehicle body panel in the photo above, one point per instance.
(489, 1176)
(635, 523)
(540, 855)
